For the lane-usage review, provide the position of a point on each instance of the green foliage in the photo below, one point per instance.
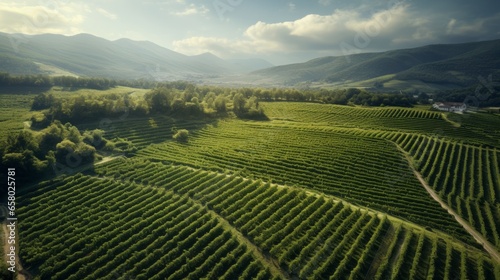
(43, 101)
(36, 154)
(47, 81)
(247, 108)
(181, 135)
(159, 100)
(239, 102)
(220, 104)
(19, 142)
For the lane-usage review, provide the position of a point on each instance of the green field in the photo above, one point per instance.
(316, 192)
(14, 112)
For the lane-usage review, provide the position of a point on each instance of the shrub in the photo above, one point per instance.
(181, 135)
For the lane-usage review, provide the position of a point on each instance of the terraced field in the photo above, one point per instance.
(318, 192)
(474, 128)
(194, 224)
(467, 177)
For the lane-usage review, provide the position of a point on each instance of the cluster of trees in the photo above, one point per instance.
(51, 149)
(351, 96)
(188, 102)
(361, 97)
(72, 82)
(481, 95)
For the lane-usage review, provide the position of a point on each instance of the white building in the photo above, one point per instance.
(450, 106)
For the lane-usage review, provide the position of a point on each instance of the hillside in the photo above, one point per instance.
(452, 65)
(88, 55)
(317, 191)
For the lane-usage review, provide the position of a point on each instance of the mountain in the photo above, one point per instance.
(433, 66)
(88, 55)
(251, 64)
(424, 68)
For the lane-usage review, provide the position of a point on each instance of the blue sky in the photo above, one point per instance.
(279, 31)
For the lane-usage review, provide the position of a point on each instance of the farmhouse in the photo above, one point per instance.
(450, 106)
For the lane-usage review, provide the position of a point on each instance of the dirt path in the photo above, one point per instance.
(477, 236)
(21, 273)
(107, 159)
(267, 260)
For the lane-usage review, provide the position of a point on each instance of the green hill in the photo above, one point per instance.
(452, 65)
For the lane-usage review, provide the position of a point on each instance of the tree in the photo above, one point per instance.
(239, 102)
(182, 135)
(220, 104)
(159, 100)
(43, 101)
(24, 140)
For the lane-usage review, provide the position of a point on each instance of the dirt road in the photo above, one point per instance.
(21, 275)
(477, 236)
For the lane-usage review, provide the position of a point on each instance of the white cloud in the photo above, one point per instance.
(345, 32)
(312, 32)
(291, 6)
(36, 19)
(107, 14)
(477, 26)
(192, 9)
(218, 46)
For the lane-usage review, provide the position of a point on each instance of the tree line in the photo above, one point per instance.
(69, 82)
(188, 102)
(485, 94)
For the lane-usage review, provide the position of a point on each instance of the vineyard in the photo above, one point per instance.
(467, 177)
(318, 192)
(474, 128)
(181, 224)
(365, 171)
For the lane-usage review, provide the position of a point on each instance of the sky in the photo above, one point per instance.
(280, 31)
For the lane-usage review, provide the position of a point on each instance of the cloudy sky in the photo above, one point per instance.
(279, 31)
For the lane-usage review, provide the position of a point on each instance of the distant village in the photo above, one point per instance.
(450, 106)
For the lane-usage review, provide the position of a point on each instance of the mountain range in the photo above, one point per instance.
(431, 67)
(424, 68)
(88, 55)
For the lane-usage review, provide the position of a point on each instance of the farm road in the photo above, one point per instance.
(477, 236)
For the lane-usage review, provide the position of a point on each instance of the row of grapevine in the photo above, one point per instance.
(474, 128)
(144, 131)
(95, 228)
(466, 177)
(362, 170)
(311, 236)
(317, 112)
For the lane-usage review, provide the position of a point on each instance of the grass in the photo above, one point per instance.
(62, 92)
(14, 112)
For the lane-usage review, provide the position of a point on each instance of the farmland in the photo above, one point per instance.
(316, 192)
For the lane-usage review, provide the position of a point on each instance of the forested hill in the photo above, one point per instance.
(451, 65)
